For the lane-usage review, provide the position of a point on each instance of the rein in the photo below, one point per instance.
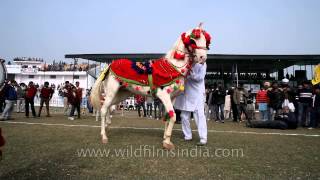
(182, 68)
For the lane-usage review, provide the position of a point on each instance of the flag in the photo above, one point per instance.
(316, 76)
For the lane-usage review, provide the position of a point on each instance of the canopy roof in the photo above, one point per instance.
(218, 62)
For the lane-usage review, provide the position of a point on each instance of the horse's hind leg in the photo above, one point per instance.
(111, 88)
(120, 96)
(98, 114)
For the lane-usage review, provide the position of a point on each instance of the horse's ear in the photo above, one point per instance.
(200, 25)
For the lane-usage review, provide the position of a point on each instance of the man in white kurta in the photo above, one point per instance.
(192, 100)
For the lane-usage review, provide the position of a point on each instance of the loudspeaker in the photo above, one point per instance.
(300, 75)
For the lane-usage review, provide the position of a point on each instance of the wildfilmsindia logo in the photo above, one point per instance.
(143, 151)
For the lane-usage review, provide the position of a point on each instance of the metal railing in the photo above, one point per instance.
(57, 101)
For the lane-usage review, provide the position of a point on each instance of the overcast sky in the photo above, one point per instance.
(50, 29)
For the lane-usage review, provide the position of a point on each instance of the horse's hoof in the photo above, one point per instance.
(104, 141)
(167, 146)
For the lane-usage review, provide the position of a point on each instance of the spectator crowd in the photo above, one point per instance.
(235, 103)
(272, 101)
(23, 96)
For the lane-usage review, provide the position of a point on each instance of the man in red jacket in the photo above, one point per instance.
(30, 94)
(78, 98)
(140, 100)
(45, 95)
(75, 100)
(262, 101)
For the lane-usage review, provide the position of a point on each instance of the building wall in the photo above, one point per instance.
(53, 77)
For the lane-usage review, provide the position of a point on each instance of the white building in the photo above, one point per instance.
(26, 71)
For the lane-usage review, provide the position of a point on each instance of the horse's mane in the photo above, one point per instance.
(178, 45)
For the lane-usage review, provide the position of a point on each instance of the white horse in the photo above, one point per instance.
(191, 47)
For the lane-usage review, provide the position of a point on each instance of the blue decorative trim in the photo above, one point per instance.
(142, 67)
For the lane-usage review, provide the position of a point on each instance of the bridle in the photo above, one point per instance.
(190, 45)
(189, 42)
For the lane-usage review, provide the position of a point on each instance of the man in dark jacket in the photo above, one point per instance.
(240, 96)
(66, 89)
(315, 112)
(233, 104)
(218, 98)
(304, 104)
(250, 105)
(276, 98)
(75, 99)
(45, 95)
(210, 102)
(21, 93)
(10, 95)
(288, 91)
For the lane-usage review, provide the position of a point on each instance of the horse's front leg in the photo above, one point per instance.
(166, 100)
(165, 128)
(167, 144)
(166, 122)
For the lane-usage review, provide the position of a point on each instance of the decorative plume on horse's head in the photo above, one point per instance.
(188, 40)
(194, 43)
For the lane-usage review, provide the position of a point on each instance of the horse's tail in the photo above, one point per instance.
(96, 89)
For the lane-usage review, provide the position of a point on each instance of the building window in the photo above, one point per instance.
(75, 77)
(53, 76)
(31, 76)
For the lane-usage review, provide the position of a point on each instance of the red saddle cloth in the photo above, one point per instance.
(162, 71)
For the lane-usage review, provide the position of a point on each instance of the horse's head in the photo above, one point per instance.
(195, 43)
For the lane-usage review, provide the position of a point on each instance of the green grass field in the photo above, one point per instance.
(56, 148)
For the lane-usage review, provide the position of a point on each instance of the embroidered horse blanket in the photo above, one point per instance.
(154, 73)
